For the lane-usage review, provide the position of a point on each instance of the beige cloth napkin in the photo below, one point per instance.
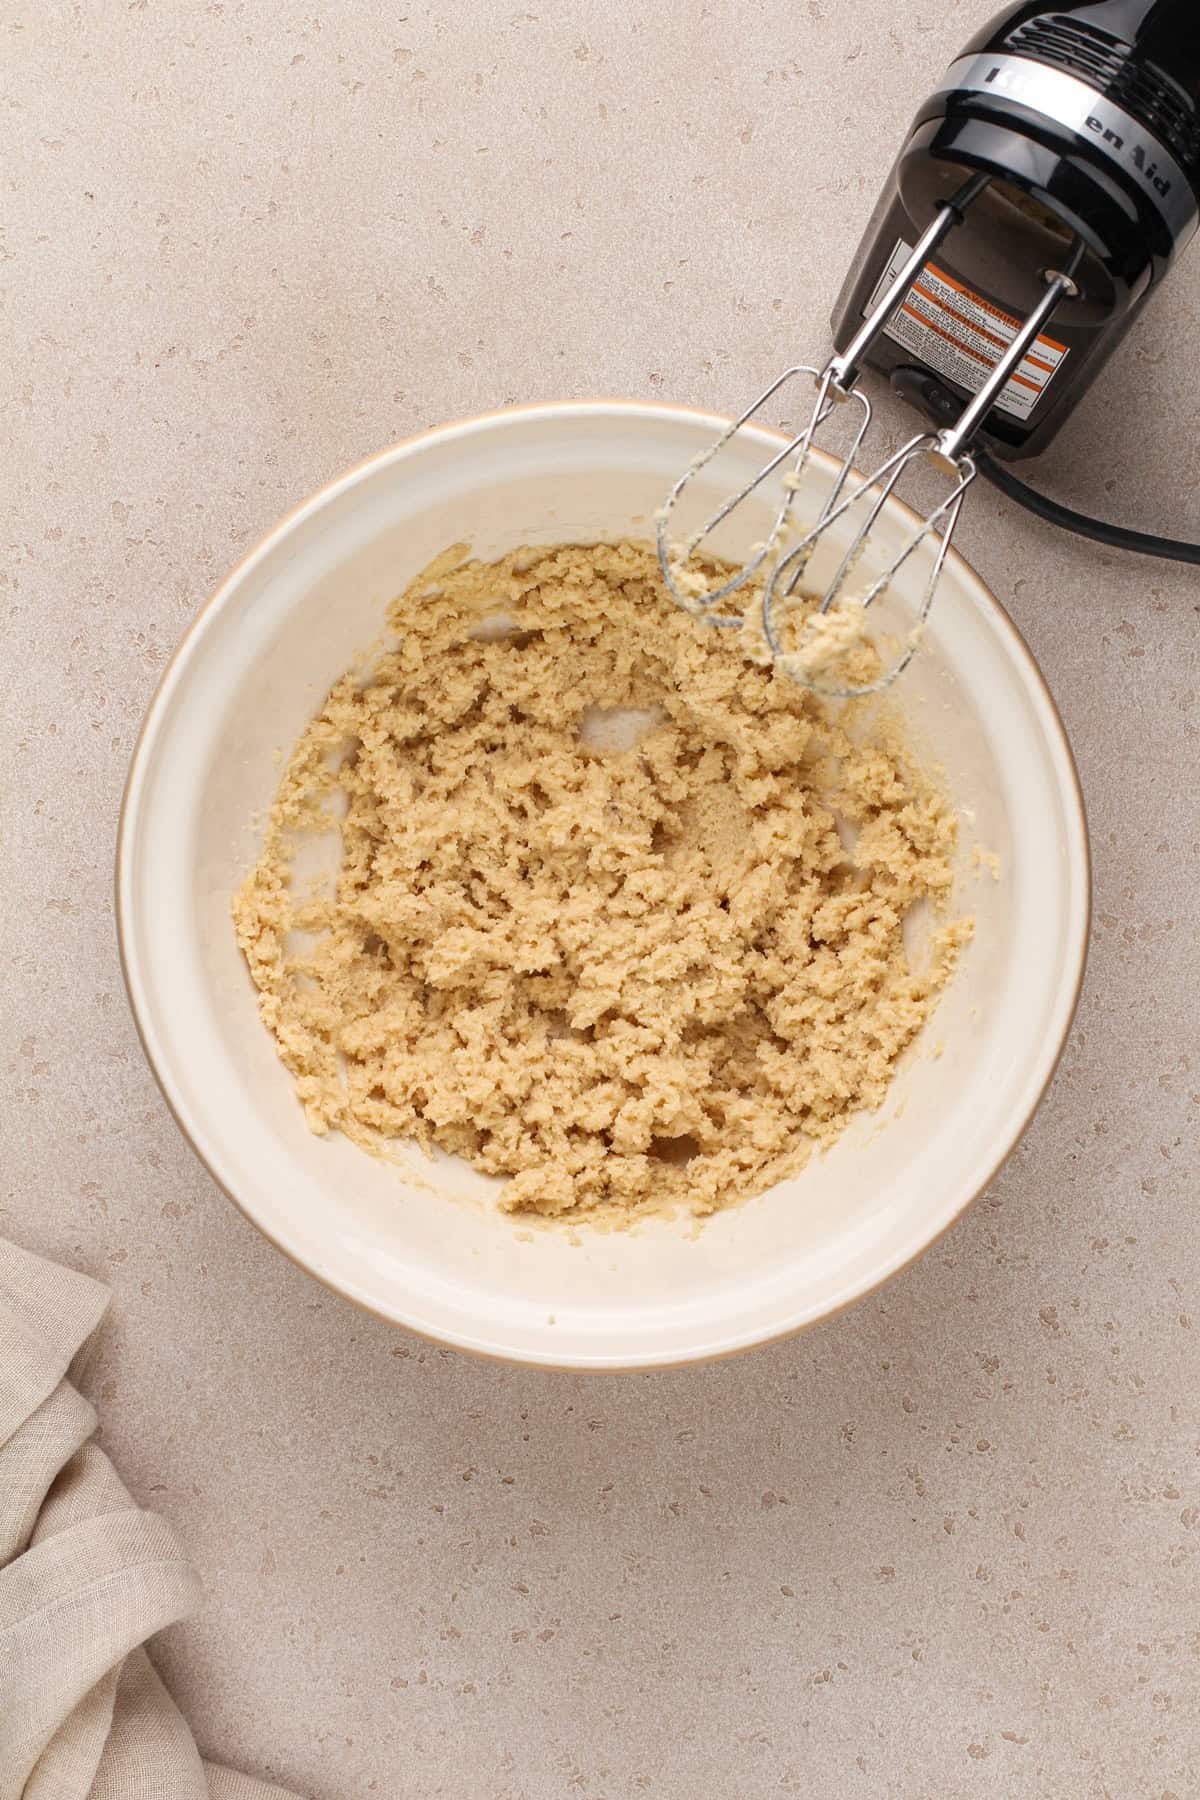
(85, 1578)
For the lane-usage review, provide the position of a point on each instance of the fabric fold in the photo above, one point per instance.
(32, 1458)
(86, 1576)
(46, 1315)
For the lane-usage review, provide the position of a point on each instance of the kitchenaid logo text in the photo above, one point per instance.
(1137, 154)
(1024, 84)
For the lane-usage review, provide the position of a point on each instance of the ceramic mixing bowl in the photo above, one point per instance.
(431, 1252)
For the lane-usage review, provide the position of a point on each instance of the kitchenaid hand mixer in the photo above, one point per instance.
(1052, 178)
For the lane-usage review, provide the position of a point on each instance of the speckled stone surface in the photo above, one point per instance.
(946, 1545)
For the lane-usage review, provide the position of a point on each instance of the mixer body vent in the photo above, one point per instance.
(1110, 66)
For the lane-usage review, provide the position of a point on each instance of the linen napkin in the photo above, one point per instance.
(86, 1576)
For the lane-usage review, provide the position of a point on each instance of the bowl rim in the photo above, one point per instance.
(154, 719)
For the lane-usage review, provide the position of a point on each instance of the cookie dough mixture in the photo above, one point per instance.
(620, 976)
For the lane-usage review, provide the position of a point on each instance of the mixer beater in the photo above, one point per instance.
(1061, 162)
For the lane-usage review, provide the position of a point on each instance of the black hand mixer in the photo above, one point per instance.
(1046, 188)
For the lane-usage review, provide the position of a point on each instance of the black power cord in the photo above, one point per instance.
(1118, 537)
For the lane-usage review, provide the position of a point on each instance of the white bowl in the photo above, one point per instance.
(426, 1253)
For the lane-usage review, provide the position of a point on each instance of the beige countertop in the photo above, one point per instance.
(948, 1544)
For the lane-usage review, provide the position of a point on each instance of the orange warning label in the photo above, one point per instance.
(963, 336)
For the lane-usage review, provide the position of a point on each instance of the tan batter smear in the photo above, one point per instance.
(620, 976)
(982, 859)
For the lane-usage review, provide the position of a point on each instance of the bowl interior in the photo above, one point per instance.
(423, 1246)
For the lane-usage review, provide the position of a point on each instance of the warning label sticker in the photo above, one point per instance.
(963, 336)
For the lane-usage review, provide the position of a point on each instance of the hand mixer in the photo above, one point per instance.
(1052, 178)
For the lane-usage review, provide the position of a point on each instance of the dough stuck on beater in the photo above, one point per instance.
(621, 977)
(827, 638)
